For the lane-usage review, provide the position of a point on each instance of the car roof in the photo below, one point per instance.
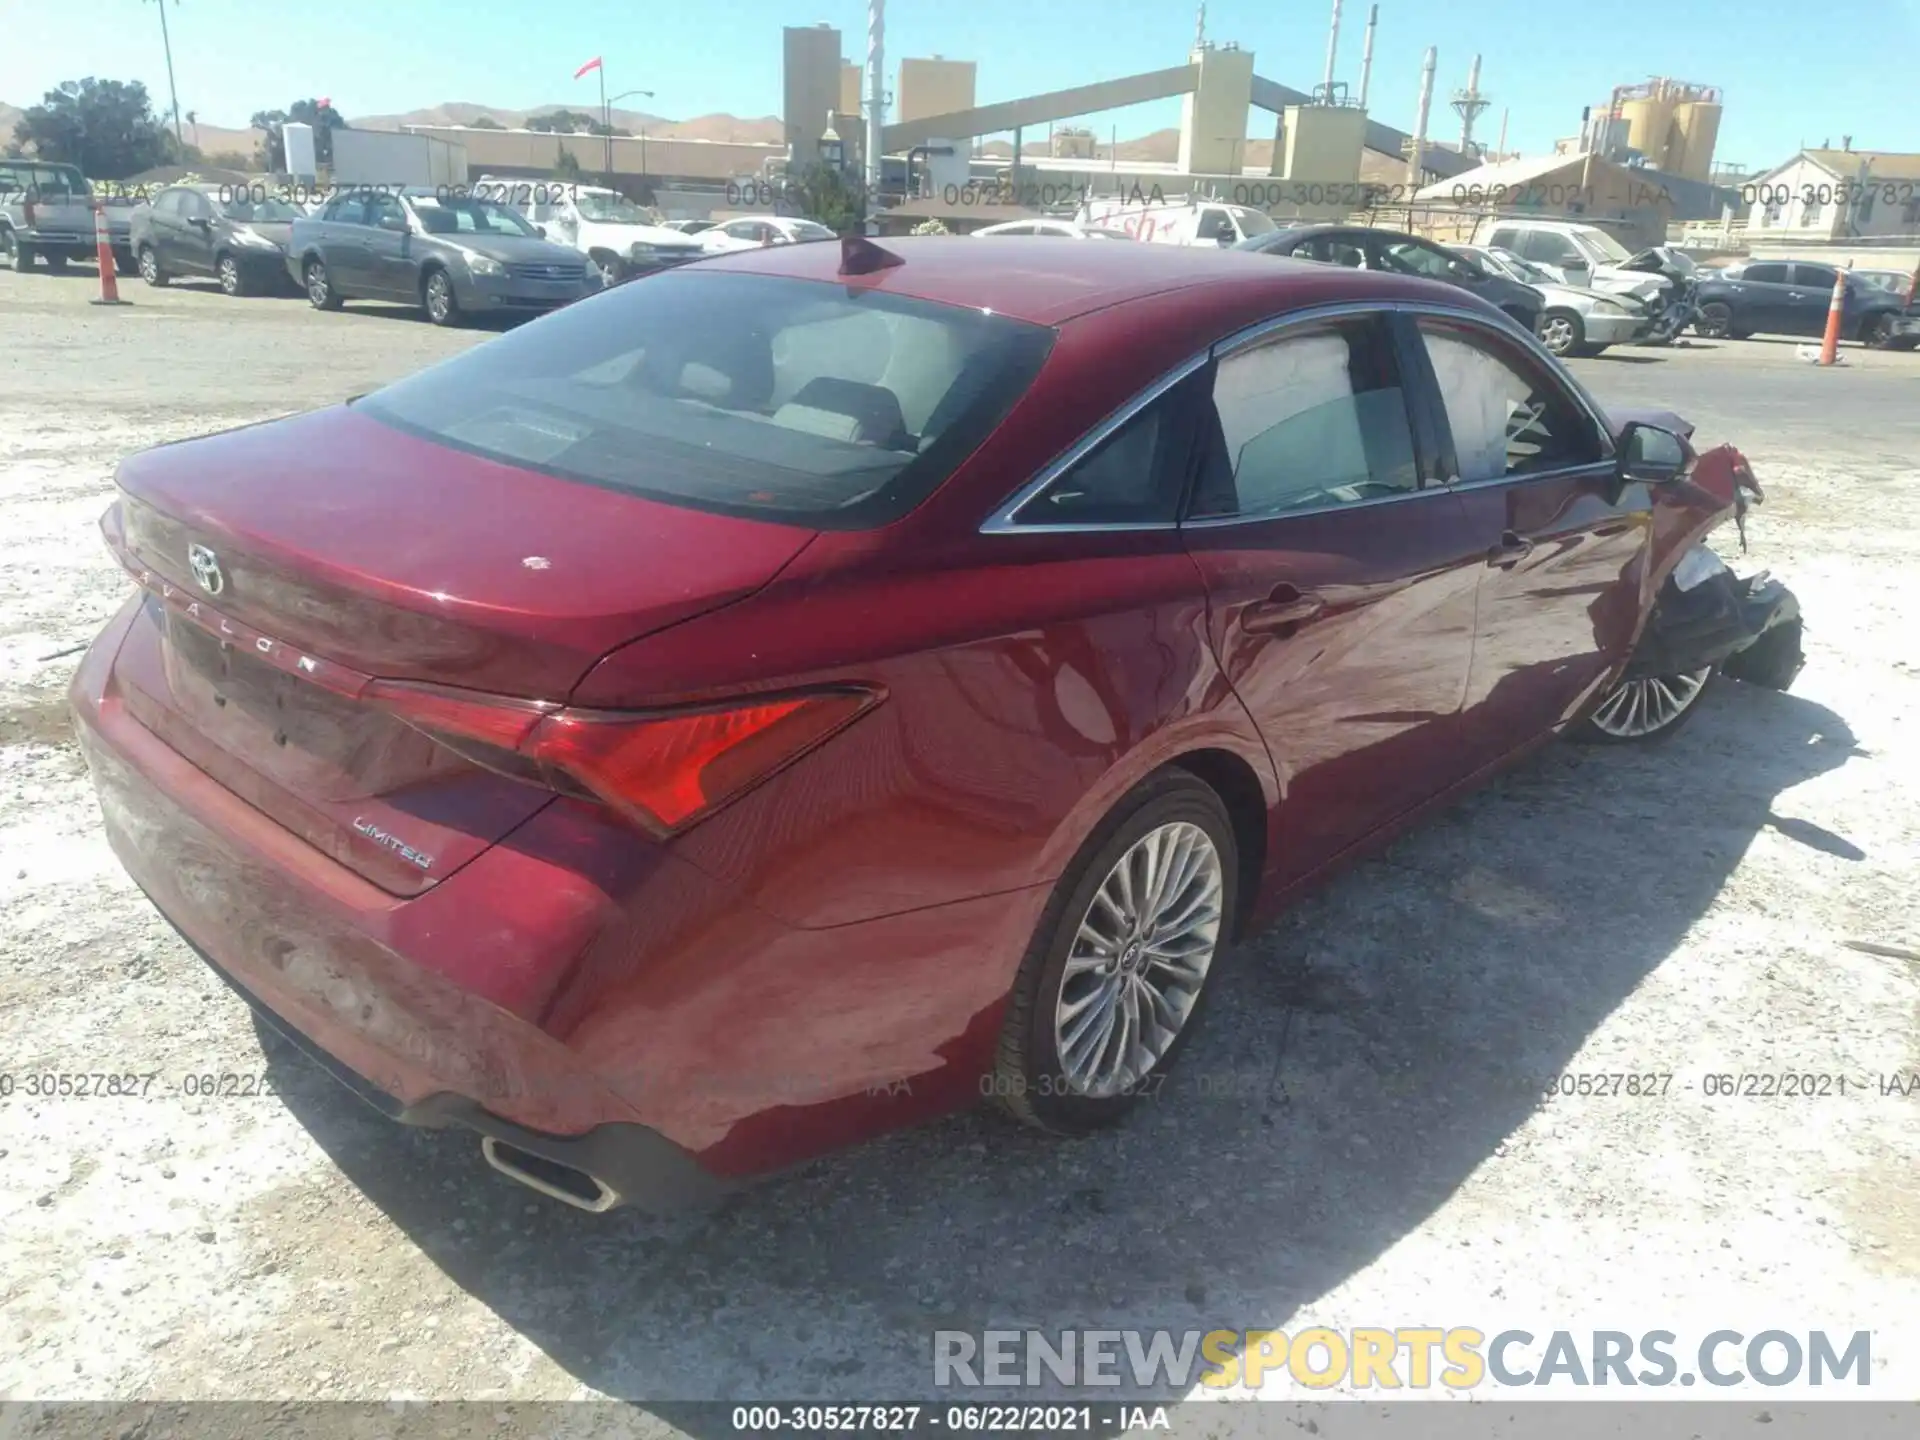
(1028, 279)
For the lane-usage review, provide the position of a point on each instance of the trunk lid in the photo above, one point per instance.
(290, 563)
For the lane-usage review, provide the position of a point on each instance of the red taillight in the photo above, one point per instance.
(665, 770)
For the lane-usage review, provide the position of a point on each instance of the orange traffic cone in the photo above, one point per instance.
(103, 249)
(1830, 342)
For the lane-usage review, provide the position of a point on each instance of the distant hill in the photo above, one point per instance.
(766, 130)
(216, 139)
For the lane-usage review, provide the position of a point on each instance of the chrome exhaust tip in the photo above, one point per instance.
(550, 1177)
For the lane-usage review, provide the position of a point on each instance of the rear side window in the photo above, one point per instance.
(752, 395)
(1131, 477)
(1307, 422)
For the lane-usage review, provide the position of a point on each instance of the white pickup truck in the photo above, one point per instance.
(46, 213)
(618, 236)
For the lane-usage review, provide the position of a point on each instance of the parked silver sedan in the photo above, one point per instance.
(1574, 320)
(448, 252)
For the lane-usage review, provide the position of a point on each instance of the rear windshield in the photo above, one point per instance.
(261, 212)
(755, 395)
(468, 215)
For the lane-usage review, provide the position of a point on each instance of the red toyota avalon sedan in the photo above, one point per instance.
(815, 689)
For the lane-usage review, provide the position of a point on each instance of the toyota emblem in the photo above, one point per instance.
(206, 569)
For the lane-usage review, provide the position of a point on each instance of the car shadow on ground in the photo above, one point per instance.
(1363, 1057)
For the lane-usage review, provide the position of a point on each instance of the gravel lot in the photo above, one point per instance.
(1353, 1140)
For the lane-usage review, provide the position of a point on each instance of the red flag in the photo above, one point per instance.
(593, 64)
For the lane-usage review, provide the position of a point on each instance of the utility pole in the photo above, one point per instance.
(876, 107)
(173, 94)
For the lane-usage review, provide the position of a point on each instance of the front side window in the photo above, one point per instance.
(772, 398)
(195, 206)
(1768, 274)
(1508, 416)
(1600, 247)
(613, 209)
(346, 210)
(1548, 247)
(1336, 250)
(1305, 422)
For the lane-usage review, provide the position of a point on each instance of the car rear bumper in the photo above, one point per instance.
(302, 940)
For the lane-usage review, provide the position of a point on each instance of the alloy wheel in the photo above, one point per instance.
(439, 296)
(1640, 708)
(317, 284)
(1715, 321)
(230, 276)
(1557, 334)
(149, 265)
(1139, 960)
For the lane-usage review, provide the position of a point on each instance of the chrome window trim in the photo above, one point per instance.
(1004, 521)
(1221, 522)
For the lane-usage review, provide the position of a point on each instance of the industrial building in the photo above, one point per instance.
(1668, 125)
(1318, 139)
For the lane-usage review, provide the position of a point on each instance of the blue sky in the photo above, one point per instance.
(232, 57)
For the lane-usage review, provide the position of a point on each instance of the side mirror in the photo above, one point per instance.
(1651, 455)
(541, 231)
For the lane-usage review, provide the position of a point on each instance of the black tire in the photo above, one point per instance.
(150, 269)
(17, 255)
(57, 261)
(1877, 333)
(232, 276)
(1589, 731)
(1774, 660)
(1715, 321)
(123, 263)
(1563, 333)
(437, 297)
(320, 292)
(1028, 1079)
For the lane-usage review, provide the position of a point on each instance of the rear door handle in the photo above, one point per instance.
(1285, 607)
(1511, 550)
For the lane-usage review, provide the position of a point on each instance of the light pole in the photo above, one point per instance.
(606, 121)
(172, 94)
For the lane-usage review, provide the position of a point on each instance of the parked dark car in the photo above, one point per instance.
(215, 230)
(1792, 297)
(810, 690)
(453, 255)
(1394, 252)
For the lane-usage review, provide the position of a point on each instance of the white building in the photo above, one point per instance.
(1835, 195)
